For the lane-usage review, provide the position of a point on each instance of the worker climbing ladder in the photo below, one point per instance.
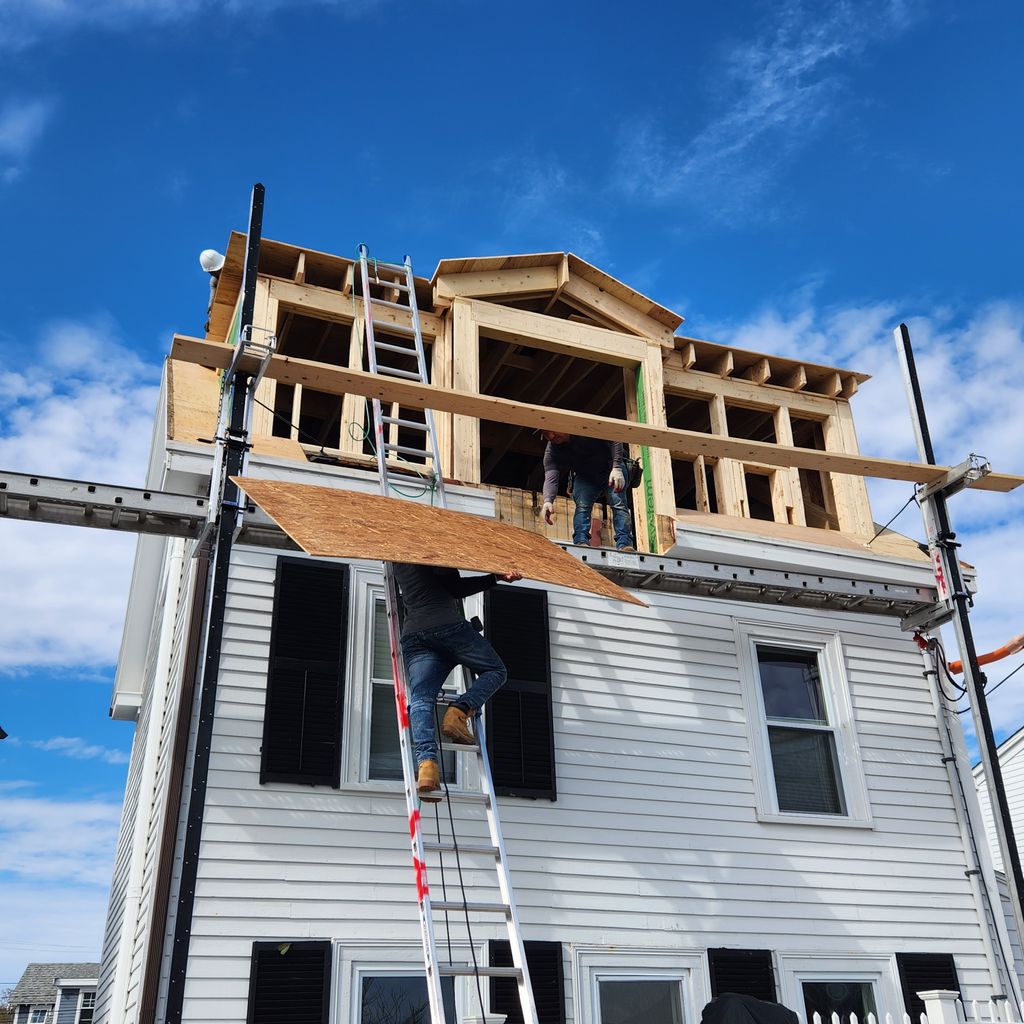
(388, 343)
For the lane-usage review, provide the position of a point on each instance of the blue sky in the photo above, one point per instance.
(793, 178)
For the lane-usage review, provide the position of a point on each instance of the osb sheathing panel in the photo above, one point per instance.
(332, 523)
(193, 399)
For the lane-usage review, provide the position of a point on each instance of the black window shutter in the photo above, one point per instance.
(290, 983)
(306, 682)
(544, 960)
(520, 729)
(924, 972)
(745, 972)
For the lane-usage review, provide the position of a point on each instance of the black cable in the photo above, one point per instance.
(292, 426)
(992, 689)
(882, 529)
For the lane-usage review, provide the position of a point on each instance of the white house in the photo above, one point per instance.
(747, 786)
(55, 994)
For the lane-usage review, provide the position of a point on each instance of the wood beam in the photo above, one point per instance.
(796, 380)
(700, 384)
(465, 378)
(553, 335)
(313, 300)
(616, 311)
(528, 281)
(723, 364)
(687, 444)
(300, 269)
(759, 372)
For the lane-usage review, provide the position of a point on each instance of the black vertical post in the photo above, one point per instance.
(235, 443)
(973, 676)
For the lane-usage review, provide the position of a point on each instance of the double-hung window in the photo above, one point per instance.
(807, 761)
(87, 1008)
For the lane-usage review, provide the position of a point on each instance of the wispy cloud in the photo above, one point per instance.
(81, 750)
(774, 93)
(966, 361)
(22, 123)
(24, 23)
(81, 409)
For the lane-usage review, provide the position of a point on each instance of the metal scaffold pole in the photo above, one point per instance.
(953, 592)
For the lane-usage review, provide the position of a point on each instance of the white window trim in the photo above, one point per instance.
(366, 586)
(592, 964)
(836, 693)
(880, 971)
(353, 961)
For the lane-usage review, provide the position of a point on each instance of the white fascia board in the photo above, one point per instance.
(706, 544)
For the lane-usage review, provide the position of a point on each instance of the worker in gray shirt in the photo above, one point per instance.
(598, 475)
(435, 639)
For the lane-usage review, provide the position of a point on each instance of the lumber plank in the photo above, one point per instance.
(300, 269)
(687, 444)
(528, 281)
(465, 378)
(331, 522)
(784, 436)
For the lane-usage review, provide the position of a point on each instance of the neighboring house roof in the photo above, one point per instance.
(1006, 749)
(36, 984)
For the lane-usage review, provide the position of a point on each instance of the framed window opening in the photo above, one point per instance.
(807, 763)
(86, 1007)
(844, 984)
(638, 986)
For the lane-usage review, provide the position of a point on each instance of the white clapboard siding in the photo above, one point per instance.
(654, 839)
(1011, 763)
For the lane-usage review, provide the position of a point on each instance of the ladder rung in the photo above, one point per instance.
(411, 424)
(388, 347)
(475, 908)
(395, 372)
(390, 305)
(384, 283)
(406, 450)
(449, 846)
(465, 748)
(463, 796)
(468, 971)
(387, 266)
(387, 325)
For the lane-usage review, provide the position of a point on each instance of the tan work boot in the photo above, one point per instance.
(455, 727)
(428, 782)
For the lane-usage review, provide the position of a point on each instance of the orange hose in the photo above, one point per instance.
(1013, 647)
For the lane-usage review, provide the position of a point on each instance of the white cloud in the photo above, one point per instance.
(83, 410)
(774, 92)
(969, 364)
(26, 22)
(22, 123)
(81, 750)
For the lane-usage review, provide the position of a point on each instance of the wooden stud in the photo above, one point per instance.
(441, 374)
(684, 357)
(300, 269)
(466, 378)
(784, 436)
(687, 444)
(265, 317)
(729, 483)
(348, 280)
(849, 388)
(758, 373)
(660, 461)
(832, 385)
(859, 505)
(353, 407)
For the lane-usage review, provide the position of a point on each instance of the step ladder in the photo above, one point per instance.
(396, 349)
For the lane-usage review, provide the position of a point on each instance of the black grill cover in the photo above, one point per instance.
(734, 1009)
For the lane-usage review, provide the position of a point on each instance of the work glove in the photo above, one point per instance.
(548, 511)
(617, 481)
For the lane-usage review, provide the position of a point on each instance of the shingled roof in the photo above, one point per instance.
(36, 984)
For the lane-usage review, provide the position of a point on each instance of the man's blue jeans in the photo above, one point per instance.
(586, 493)
(430, 655)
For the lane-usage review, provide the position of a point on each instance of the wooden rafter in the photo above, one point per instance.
(683, 443)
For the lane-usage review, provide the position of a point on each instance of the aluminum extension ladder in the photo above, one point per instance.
(405, 344)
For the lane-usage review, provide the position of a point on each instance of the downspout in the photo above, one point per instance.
(982, 882)
(144, 809)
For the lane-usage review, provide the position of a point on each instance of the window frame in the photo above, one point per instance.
(366, 587)
(82, 996)
(879, 971)
(353, 961)
(593, 964)
(836, 694)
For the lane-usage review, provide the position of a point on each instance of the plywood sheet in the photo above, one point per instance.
(333, 523)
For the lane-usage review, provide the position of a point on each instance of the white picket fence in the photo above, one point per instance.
(940, 1008)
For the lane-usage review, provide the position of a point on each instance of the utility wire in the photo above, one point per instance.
(882, 529)
(992, 689)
